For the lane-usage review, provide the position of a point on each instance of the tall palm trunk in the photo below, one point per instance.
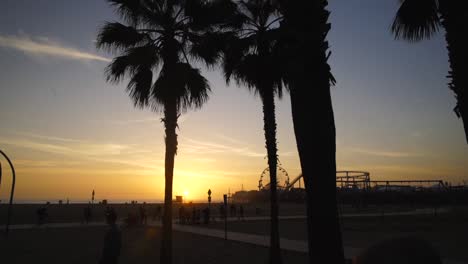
(170, 123)
(453, 18)
(269, 126)
(314, 125)
(315, 136)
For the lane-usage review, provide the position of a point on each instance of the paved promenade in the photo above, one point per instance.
(286, 244)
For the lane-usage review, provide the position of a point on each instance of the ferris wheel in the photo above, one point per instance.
(282, 179)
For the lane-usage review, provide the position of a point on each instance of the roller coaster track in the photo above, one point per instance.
(361, 179)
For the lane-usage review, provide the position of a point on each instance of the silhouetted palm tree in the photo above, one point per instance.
(417, 19)
(251, 59)
(308, 76)
(158, 41)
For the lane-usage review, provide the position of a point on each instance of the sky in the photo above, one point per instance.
(69, 132)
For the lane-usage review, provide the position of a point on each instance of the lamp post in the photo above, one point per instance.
(225, 197)
(209, 205)
(7, 227)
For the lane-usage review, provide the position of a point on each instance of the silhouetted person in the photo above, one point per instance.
(155, 213)
(257, 211)
(222, 211)
(87, 214)
(404, 250)
(159, 212)
(131, 220)
(206, 216)
(233, 210)
(143, 216)
(182, 214)
(241, 212)
(112, 240)
(194, 215)
(198, 216)
(41, 215)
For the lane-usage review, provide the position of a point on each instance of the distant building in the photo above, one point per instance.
(179, 199)
(250, 196)
(394, 188)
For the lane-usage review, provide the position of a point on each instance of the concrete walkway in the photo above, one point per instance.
(425, 211)
(51, 225)
(286, 244)
(261, 240)
(231, 219)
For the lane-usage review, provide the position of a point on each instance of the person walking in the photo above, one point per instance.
(241, 212)
(112, 240)
(87, 214)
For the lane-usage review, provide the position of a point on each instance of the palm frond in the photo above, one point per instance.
(181, 83)
(156, 14)
(116, 36)
(209, 14)
(416, 20)
(130, 63)
(252, 58)
(208, 46)
(234, 52)
(259, 72)
(129, 10)
(140, 85)
(247, 71)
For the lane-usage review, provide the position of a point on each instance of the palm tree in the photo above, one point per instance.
(416, 20)
(251, 59)
(158, 41)
(308, 77)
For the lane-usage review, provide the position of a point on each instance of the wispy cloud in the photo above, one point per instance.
(286, 153)
(136, 121)
(205, 147)
(243, 143)
(416, 134)
(230, 146)
(60, 139)
(124, 154)
(396, 171)
(212, 174)
(88, 149)
(204, 160)
(149, 120)
(44, 163)
(230, 139)
(387, 154)
(45, 47)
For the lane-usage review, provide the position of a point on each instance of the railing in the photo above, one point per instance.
(409, 183)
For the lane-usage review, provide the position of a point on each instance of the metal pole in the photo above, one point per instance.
(0, 175)
(225, 216)
(7, 228)
(209, 205)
